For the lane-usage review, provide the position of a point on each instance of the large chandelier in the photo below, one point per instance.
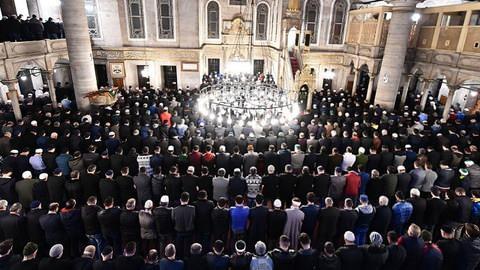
(243, 101)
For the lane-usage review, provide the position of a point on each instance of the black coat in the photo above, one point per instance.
(381, 220)
(286, 186)
(396, 257)
(90, 184)
(257, 230)
(321, 185)
(283, 260)
(190, 184)
(434, 211)
(15, 227)
(237, 186)
(90, 219)
(72, 221)
(109, 220)
(419, 207)
(53, 227)
(7, 189)
(327, 223)
(129, 226)
(351, 257)
(464, 209)
(7, 262)
(40, 193)
(306, 259)
(163, 220)
(126, 188)
(56, 189)
(346, 221)
(129, 263)
(74, 190)
(54, 264)
(35, 231)
(109, 188)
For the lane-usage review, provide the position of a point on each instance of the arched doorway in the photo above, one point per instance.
(303, 98)
(466, 97)
(31, 78)
(62, 78)
(363, 81)
(292, 38)
(328, 75)
(413, 89)
(350, 77)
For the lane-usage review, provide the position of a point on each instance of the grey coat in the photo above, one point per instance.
(147, 225)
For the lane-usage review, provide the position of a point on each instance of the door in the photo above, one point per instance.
(363, 82)
(258, 66)
(101, 73)
(25, 82)
(213, 66)
(143, 76)
(118, 82)
(303, 98)
(327, 84)
(349, 86)
(170, 77)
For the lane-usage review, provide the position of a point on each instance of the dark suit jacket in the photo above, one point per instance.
(53, 227)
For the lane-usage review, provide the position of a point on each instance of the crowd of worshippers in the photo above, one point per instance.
(344, 186)
(17, 28)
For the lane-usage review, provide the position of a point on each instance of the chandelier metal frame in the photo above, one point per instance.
(247, 102)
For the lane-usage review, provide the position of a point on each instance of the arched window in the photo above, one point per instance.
(338, 22)
(312, 10)
(262, 22)
(165, 19)
(213, 19)
(136, 19)
(92, 18)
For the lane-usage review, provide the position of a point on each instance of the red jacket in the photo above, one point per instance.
(195, 159)
(166, 116)
(352, 185)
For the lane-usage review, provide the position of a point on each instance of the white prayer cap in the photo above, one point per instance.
(38, 151)
(43, 176)
(349, 236)
(469, 163)
(148, 204)
(26, 175)
(277, 203)
(164, 199)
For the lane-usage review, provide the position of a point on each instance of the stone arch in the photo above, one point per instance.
(62, 72)
(293, 38)
(363, 80)
(303, 94)
(31, 77)
(466, 95)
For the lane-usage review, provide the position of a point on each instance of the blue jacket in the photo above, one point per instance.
(62, 163)
(261, 263)
(401, 212)
(239, 217)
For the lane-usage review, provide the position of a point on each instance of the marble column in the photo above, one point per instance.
(355, 81)
(51, 89)
(395, 52)
(13, 97)
(8, 7)
(294, 5)
(79, 51)
(427, 85)
(370, 87)
(448, 104)
(406, 87)
(33, 8)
